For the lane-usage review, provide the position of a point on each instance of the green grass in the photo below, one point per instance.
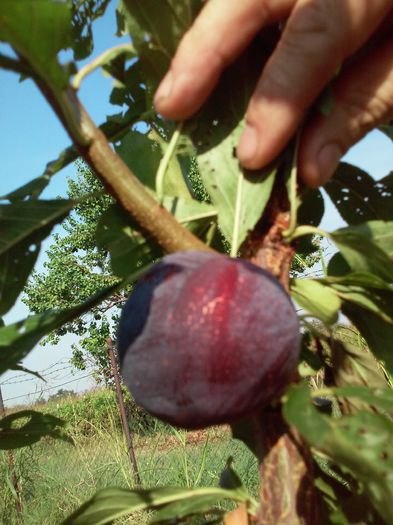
(56, 477)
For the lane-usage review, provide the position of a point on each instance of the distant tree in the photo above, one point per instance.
(74, 270)
(61, 394)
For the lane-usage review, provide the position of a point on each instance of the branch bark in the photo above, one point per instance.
(287, 493)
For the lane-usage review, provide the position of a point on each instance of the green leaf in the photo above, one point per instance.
(229, 478)
(155, 29)
(26, 427)
(379, 232)
(361, 247)
(353, 364)
(360, 444)
(375, 300)
(338, 266)
(118, 233)
(16, 340)
(180, 510)
(113, 503)
(23, 226)
(21, 368)
(240, 196)
(141, 155)
(316, 298)
(339, 504)
(311, 207)
(21, 220)
(381, 397)
(173, 183)
(38, 30)
(362, 279)
(189, 210)
(388, 130)
(310, 362)
(377, 332)
(232, 190)
(129, 248)
(358, 197)
(84, 14)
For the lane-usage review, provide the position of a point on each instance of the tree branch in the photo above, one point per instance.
(287, 493)
(119, 180)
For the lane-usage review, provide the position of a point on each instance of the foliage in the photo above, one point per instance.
(84, 415)
(187, 188)
(76, 269)
(61, 394)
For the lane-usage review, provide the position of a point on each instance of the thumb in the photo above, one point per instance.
(363, 99)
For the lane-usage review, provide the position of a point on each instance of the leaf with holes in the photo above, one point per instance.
(239, 197)
(360, 444)
(365, 247)
(38, 30)
(358, 197)
(155, 29)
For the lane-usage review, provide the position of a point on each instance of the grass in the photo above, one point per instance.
(56, 477)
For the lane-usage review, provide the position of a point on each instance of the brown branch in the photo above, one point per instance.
(287, 493)
(118, 178)
(287, 488)
(265, 246)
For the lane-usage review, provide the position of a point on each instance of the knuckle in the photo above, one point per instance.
(365, 111)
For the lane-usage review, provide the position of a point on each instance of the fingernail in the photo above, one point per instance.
(248, 144)
(165, 88)
(328, 159)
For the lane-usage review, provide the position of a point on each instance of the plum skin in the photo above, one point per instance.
(205, 339)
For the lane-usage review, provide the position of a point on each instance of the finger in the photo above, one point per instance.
(319, 35)
(363, 99)
(223, 29)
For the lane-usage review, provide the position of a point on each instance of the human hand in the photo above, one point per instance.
(320, 37)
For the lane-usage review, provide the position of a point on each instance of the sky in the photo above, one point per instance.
(31, 135)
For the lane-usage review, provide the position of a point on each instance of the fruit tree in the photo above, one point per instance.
(209, 334)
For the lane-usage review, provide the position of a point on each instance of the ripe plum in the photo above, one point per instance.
(205, 339)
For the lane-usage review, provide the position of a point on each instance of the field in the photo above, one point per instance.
(55, 477)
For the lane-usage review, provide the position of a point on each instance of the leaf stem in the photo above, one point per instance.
(236, 223)
(162, 168)
(100, 61)
(300, 231)
(292, 193)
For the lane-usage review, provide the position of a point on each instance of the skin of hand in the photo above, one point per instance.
(319, 38)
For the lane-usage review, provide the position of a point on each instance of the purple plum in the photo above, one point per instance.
(205, 339)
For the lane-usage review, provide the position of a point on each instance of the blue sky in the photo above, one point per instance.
(31, 135)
